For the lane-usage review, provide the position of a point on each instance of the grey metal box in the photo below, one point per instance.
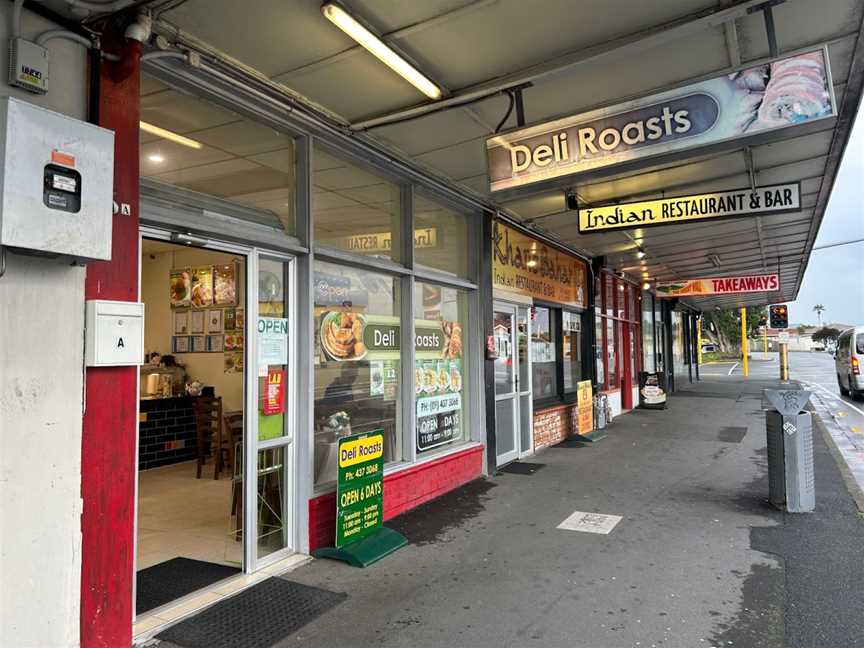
(46, 157)
(790, 461)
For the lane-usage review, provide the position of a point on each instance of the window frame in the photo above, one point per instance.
(556, 317)
(619, 305)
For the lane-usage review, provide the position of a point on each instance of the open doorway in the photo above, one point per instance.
(191, 421)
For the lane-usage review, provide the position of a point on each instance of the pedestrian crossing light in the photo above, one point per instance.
(779, 316)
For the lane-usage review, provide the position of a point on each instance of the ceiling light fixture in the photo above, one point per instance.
(169, 135)
(714, 259)
(646, 286)
(640, 254)
(155, 157)
(379, 49)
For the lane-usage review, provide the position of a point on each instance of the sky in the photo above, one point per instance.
(835, 276)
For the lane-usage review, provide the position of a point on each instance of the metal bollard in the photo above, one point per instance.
(784, 362)
(791, 481)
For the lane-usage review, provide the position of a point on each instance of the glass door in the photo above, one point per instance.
(506, 384)
(271, 379)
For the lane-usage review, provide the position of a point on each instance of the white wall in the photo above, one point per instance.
(41, 382)
(159, 318)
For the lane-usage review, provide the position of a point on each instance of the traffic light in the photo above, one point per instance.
(779, 316)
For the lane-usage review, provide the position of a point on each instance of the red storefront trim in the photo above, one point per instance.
(108, 461)
(403, 491)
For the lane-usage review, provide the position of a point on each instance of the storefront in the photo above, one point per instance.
(541, 349)
(618, 322)
(296, 291)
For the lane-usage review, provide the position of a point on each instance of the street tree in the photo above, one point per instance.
(826, 334)
(727, 326)
(819, 308)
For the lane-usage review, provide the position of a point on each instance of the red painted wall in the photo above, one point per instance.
(108, 461)
(402, 491)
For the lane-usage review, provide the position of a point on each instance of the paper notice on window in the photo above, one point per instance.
(272, 341)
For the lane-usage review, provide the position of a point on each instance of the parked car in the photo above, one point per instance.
(848, 361)
(709, 348)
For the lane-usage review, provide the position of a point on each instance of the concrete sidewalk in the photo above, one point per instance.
(699, 559)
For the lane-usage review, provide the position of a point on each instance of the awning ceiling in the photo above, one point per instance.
(578, 55)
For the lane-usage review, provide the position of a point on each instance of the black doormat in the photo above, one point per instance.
(259, 617)
(732, 434)
(162, 583)
(521, 468)
(572, 442)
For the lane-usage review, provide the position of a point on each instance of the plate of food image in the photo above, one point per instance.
(342, 336)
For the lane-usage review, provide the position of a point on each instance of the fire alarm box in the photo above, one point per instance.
(56, 183)
(115, 333)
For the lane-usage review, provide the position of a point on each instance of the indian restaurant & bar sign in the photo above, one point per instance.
(719, 286)
(772, 199)
(528, 267)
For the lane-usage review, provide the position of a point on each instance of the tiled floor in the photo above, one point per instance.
(179, 515)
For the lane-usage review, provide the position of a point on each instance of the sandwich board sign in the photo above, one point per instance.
(361, 538)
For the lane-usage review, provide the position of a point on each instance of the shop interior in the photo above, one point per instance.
(190, 491)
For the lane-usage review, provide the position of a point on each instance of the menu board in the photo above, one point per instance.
(225, 284)
(202, 286)
(181, 288)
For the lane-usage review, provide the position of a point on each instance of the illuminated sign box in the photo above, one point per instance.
(787, 92)
(772, 199)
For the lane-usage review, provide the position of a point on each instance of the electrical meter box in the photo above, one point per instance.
(115, 333)
(56, 183)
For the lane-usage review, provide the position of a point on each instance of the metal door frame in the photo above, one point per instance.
(500, 460)
(529, 391)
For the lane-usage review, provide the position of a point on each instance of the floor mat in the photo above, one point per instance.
(259, 617)
(521, 468)
(162, 583)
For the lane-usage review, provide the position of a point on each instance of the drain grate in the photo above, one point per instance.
(731, 434)
(260, 617)
(521, 468)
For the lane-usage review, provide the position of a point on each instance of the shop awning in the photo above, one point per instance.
(568, 58)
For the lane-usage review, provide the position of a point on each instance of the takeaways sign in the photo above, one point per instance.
(784, 93)
(719, 286)
(773, 199)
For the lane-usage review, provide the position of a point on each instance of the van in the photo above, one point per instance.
(849, 362)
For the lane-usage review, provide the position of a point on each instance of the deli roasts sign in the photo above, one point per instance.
(785, 92)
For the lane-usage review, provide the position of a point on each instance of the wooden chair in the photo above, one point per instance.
(232, 434)
(208, 427)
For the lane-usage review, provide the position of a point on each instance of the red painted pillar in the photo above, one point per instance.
(108, 461)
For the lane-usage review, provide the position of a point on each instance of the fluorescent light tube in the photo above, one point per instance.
(380, 50)
(168, 135)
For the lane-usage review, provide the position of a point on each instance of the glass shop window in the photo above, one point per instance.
(544, 379)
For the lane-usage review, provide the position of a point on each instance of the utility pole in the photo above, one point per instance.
(699, 339)
(745, 369)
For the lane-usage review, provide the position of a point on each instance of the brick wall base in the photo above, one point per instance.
(403, 491)
(555, 424)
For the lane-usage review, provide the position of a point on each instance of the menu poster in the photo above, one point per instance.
(180, 344)
(225, 284)
(233, 362)
(214, 320)
(585, 407)
(181, 322)
(181, 288)
(230, 319)
(274, 393)
(215, 343)
(199, 344)
(239, 319)
(202, 286)
(233, 341)
(196, 321)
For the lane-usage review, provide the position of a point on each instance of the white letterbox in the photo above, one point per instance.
(115, 333)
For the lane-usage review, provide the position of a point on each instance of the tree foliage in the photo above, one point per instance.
(826, 334)
(727, 325)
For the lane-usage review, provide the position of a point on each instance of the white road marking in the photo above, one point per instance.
(733, 368)
(590, 522)
(845, 403)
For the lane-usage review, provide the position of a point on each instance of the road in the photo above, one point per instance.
(843, 415)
